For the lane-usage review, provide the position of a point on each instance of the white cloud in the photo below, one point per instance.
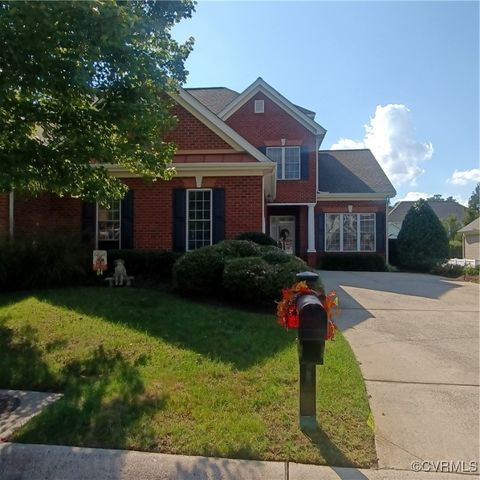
(414, 196)
(390, 135)
(466, 176)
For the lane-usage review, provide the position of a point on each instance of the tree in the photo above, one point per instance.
(473, 209)
(422, 241)
(451, 226)
(85, 83)
(438, 198)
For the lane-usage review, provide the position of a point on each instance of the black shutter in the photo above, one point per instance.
(89, 214)
(320, 232)
(218, 215)
(127, 221)
(179, 219)
(380, 233)
(304, 162)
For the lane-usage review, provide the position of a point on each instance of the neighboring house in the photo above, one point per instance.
(471, 240)
(442, 209)
(247, 161)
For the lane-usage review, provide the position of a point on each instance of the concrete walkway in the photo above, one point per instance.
(48, 462)
(417, 340)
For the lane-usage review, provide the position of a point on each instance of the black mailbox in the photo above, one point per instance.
(312, 329)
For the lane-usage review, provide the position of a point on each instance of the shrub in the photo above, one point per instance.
(43, 261)
(422, 241)
(257, 237)
(392, 251)
(154, 265)
(472, 271)
(353, 262)
(275, 256)
(447, 270)
(199, 272)
(249, 279)
(238, 248)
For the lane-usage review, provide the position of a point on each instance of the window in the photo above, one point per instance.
(199, 218)
(109, 225)
(350, 232)
(259, 106)
(287, 160)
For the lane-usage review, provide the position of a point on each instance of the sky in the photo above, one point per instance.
(400, 78)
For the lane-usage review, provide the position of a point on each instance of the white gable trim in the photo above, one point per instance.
(261, 86)
(218, 126)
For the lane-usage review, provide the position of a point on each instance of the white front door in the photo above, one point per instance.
(282, 230)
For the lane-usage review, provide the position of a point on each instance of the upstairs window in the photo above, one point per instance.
(259, 106)
(350, 232)
(108, 225)
(287, 160)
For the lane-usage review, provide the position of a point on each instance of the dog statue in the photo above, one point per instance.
(120, 274)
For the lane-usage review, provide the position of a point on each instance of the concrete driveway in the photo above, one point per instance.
(417, 340)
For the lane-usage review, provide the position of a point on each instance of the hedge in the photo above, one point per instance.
(258, 237)
(353, 262)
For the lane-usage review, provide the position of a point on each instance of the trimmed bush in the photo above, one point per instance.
(257, 237)
(275, 256)
(447, 270)
(353, 262)
(154, 265)
(238, 248)
(472, 271)
(392, 251)
(249, 279)
(422, 241)
(199, 272)
(43, 261)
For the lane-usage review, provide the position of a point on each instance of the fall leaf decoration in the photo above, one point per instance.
(287, 312)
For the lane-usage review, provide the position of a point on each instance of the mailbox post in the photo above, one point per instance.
(312, 333)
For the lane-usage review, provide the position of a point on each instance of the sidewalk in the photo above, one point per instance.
(49, 462)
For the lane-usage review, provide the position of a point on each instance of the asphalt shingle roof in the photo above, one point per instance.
(471, 227)
(351, 171)
(442, 209)
(214, 98)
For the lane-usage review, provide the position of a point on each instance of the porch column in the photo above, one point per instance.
(311, 229)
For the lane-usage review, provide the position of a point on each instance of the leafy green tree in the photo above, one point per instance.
(422, 241)
(451, 226)
(473, 209)
(85, 83)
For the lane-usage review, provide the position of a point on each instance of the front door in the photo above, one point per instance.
(282, 230)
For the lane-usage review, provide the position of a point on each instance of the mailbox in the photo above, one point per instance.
(312, 329)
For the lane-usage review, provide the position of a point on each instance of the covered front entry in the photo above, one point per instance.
(283, 231)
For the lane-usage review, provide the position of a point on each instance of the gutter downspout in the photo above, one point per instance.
(11, 219)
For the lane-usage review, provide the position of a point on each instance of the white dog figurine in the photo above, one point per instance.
(120, 274)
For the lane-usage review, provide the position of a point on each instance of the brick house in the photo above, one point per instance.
(247, 161)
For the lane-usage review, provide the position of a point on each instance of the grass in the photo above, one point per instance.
(145, 370)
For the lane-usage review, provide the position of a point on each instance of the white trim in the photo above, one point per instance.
(283, 150)
(202, 113)
(11, 215)
(187, 201)
(198, 181)
(261, 86)
(259, 106)
(358, 250)
(311, 229)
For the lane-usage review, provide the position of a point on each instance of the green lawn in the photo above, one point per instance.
(145, 370)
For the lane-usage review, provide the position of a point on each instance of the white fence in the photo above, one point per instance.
(464, 262)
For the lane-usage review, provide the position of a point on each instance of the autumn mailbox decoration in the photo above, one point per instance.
(311, 312)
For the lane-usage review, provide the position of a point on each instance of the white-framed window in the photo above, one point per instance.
(199, 218)
(109, 225)
(350, 232)
(287, 160)
(259, 106)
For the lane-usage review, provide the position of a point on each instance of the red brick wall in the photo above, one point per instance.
(47, 213)
(4, 214)
(153, 227)
(267, 129)
(191, 134)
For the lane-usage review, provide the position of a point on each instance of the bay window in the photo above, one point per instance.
(287, 160)
(350, 232)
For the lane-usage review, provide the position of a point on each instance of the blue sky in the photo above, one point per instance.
(401, 78)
